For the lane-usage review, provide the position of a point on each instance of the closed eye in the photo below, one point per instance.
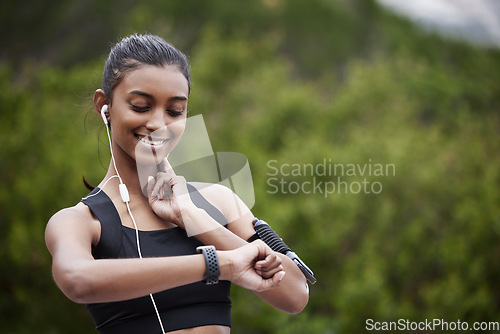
(175, 112)
(138, 108)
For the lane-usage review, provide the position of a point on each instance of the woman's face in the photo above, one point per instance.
(148, 113)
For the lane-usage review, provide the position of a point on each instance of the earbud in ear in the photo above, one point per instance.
(104, 110)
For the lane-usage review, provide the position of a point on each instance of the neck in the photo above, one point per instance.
(134, 176)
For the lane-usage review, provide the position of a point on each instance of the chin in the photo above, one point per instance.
(149, 159)
(150, 155)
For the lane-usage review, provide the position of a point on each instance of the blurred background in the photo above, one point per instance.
(352, 82)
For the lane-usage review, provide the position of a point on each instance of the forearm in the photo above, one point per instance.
(200, 225)
(292, 294)
(92, 281)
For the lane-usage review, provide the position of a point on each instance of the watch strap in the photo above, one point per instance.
(212, 271)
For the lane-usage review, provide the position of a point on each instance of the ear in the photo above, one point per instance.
(100, 99)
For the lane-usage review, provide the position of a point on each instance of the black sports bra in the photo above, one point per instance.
(183, 307)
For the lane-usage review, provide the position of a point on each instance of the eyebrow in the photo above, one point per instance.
(173, 98)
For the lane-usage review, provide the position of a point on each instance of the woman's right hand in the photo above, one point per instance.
(168, 195)
(243, 266)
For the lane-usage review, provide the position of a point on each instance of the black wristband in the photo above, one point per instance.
(212, 271)
(253, 237)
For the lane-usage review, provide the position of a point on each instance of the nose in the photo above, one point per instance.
(158, 119)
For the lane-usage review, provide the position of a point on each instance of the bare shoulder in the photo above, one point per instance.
(211, 189)
(76, 221)
(225, 200)
(74, 214)
(216, 194)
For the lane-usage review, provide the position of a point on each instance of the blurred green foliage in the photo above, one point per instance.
(292, 81)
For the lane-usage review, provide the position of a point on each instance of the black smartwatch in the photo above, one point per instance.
(212, 271)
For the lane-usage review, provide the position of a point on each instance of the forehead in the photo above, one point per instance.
(157, 81)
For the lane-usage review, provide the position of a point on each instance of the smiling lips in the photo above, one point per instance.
(149, 140)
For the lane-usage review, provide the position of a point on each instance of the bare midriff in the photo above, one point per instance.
(212, 329)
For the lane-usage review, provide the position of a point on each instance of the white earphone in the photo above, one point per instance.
(104, 110)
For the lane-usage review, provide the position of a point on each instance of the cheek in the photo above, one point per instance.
(177, 129)
(123, 122)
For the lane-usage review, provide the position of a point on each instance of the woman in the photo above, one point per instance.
(118, 246)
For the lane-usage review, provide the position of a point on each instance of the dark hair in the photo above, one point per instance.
(137, 50)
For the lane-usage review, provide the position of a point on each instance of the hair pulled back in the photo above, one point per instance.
(136, 50)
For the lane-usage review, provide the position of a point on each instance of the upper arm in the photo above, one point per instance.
(239, 217)
(69, 236)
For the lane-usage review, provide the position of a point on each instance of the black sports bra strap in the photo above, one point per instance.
(202, 203)
(111, 226)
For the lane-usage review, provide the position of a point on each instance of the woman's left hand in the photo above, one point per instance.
(269, 266)
(168, 195)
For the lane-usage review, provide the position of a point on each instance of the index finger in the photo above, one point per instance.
(166, 168)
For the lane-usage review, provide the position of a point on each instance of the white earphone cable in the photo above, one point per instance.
(126, 199)
(100, 189)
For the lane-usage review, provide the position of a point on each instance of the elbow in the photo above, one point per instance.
(76, 285)
(294, 303)
(290, 298)
(299, 303)
(298, 308)
(78, 295)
